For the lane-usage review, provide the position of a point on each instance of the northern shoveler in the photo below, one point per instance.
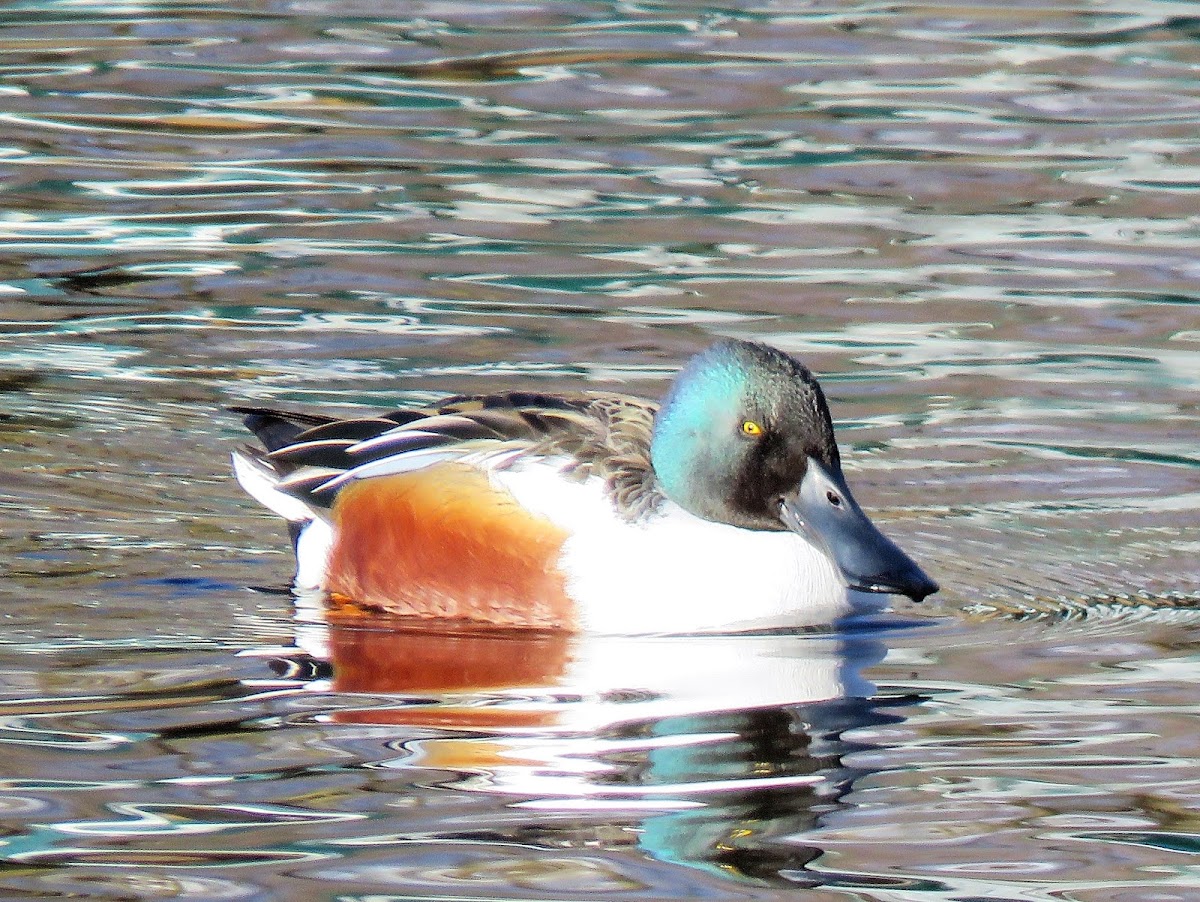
(725, 509)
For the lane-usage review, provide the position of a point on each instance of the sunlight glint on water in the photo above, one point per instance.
(977, 224)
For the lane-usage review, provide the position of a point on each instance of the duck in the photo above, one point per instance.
(723, 509)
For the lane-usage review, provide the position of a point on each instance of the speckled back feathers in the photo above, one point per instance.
(599, 434)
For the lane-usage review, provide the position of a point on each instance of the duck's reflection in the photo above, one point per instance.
(707, 751)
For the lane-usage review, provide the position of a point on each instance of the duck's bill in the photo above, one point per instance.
(824, 512)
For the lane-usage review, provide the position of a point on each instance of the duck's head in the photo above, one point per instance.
(744, 438)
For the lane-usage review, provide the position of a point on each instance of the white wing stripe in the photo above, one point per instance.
(389, 466)
(399, 435)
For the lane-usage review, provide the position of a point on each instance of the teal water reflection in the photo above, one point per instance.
(976, 224)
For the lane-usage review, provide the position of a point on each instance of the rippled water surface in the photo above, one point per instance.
(977, 224)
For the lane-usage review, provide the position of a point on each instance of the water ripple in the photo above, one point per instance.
(975, 224)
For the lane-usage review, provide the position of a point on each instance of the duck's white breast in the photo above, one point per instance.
(675, 572)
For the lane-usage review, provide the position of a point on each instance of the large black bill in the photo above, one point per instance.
(823, 511)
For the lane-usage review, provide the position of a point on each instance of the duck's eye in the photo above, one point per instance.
(833, 498)
(749, 427)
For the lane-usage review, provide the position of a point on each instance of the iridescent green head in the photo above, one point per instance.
(736, 431)
(744, 438)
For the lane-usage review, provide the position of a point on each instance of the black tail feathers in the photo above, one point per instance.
(277, 428)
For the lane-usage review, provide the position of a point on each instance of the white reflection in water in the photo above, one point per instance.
(691, 740)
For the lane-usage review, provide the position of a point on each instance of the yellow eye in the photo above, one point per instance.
(749, 427)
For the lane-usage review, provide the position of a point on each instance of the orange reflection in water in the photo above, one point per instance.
(408, 661)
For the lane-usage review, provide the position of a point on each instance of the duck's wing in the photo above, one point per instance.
(589, 434)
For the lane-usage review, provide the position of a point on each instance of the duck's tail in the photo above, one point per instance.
(310, 531)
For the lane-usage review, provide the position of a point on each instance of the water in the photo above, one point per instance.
(977, 224)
